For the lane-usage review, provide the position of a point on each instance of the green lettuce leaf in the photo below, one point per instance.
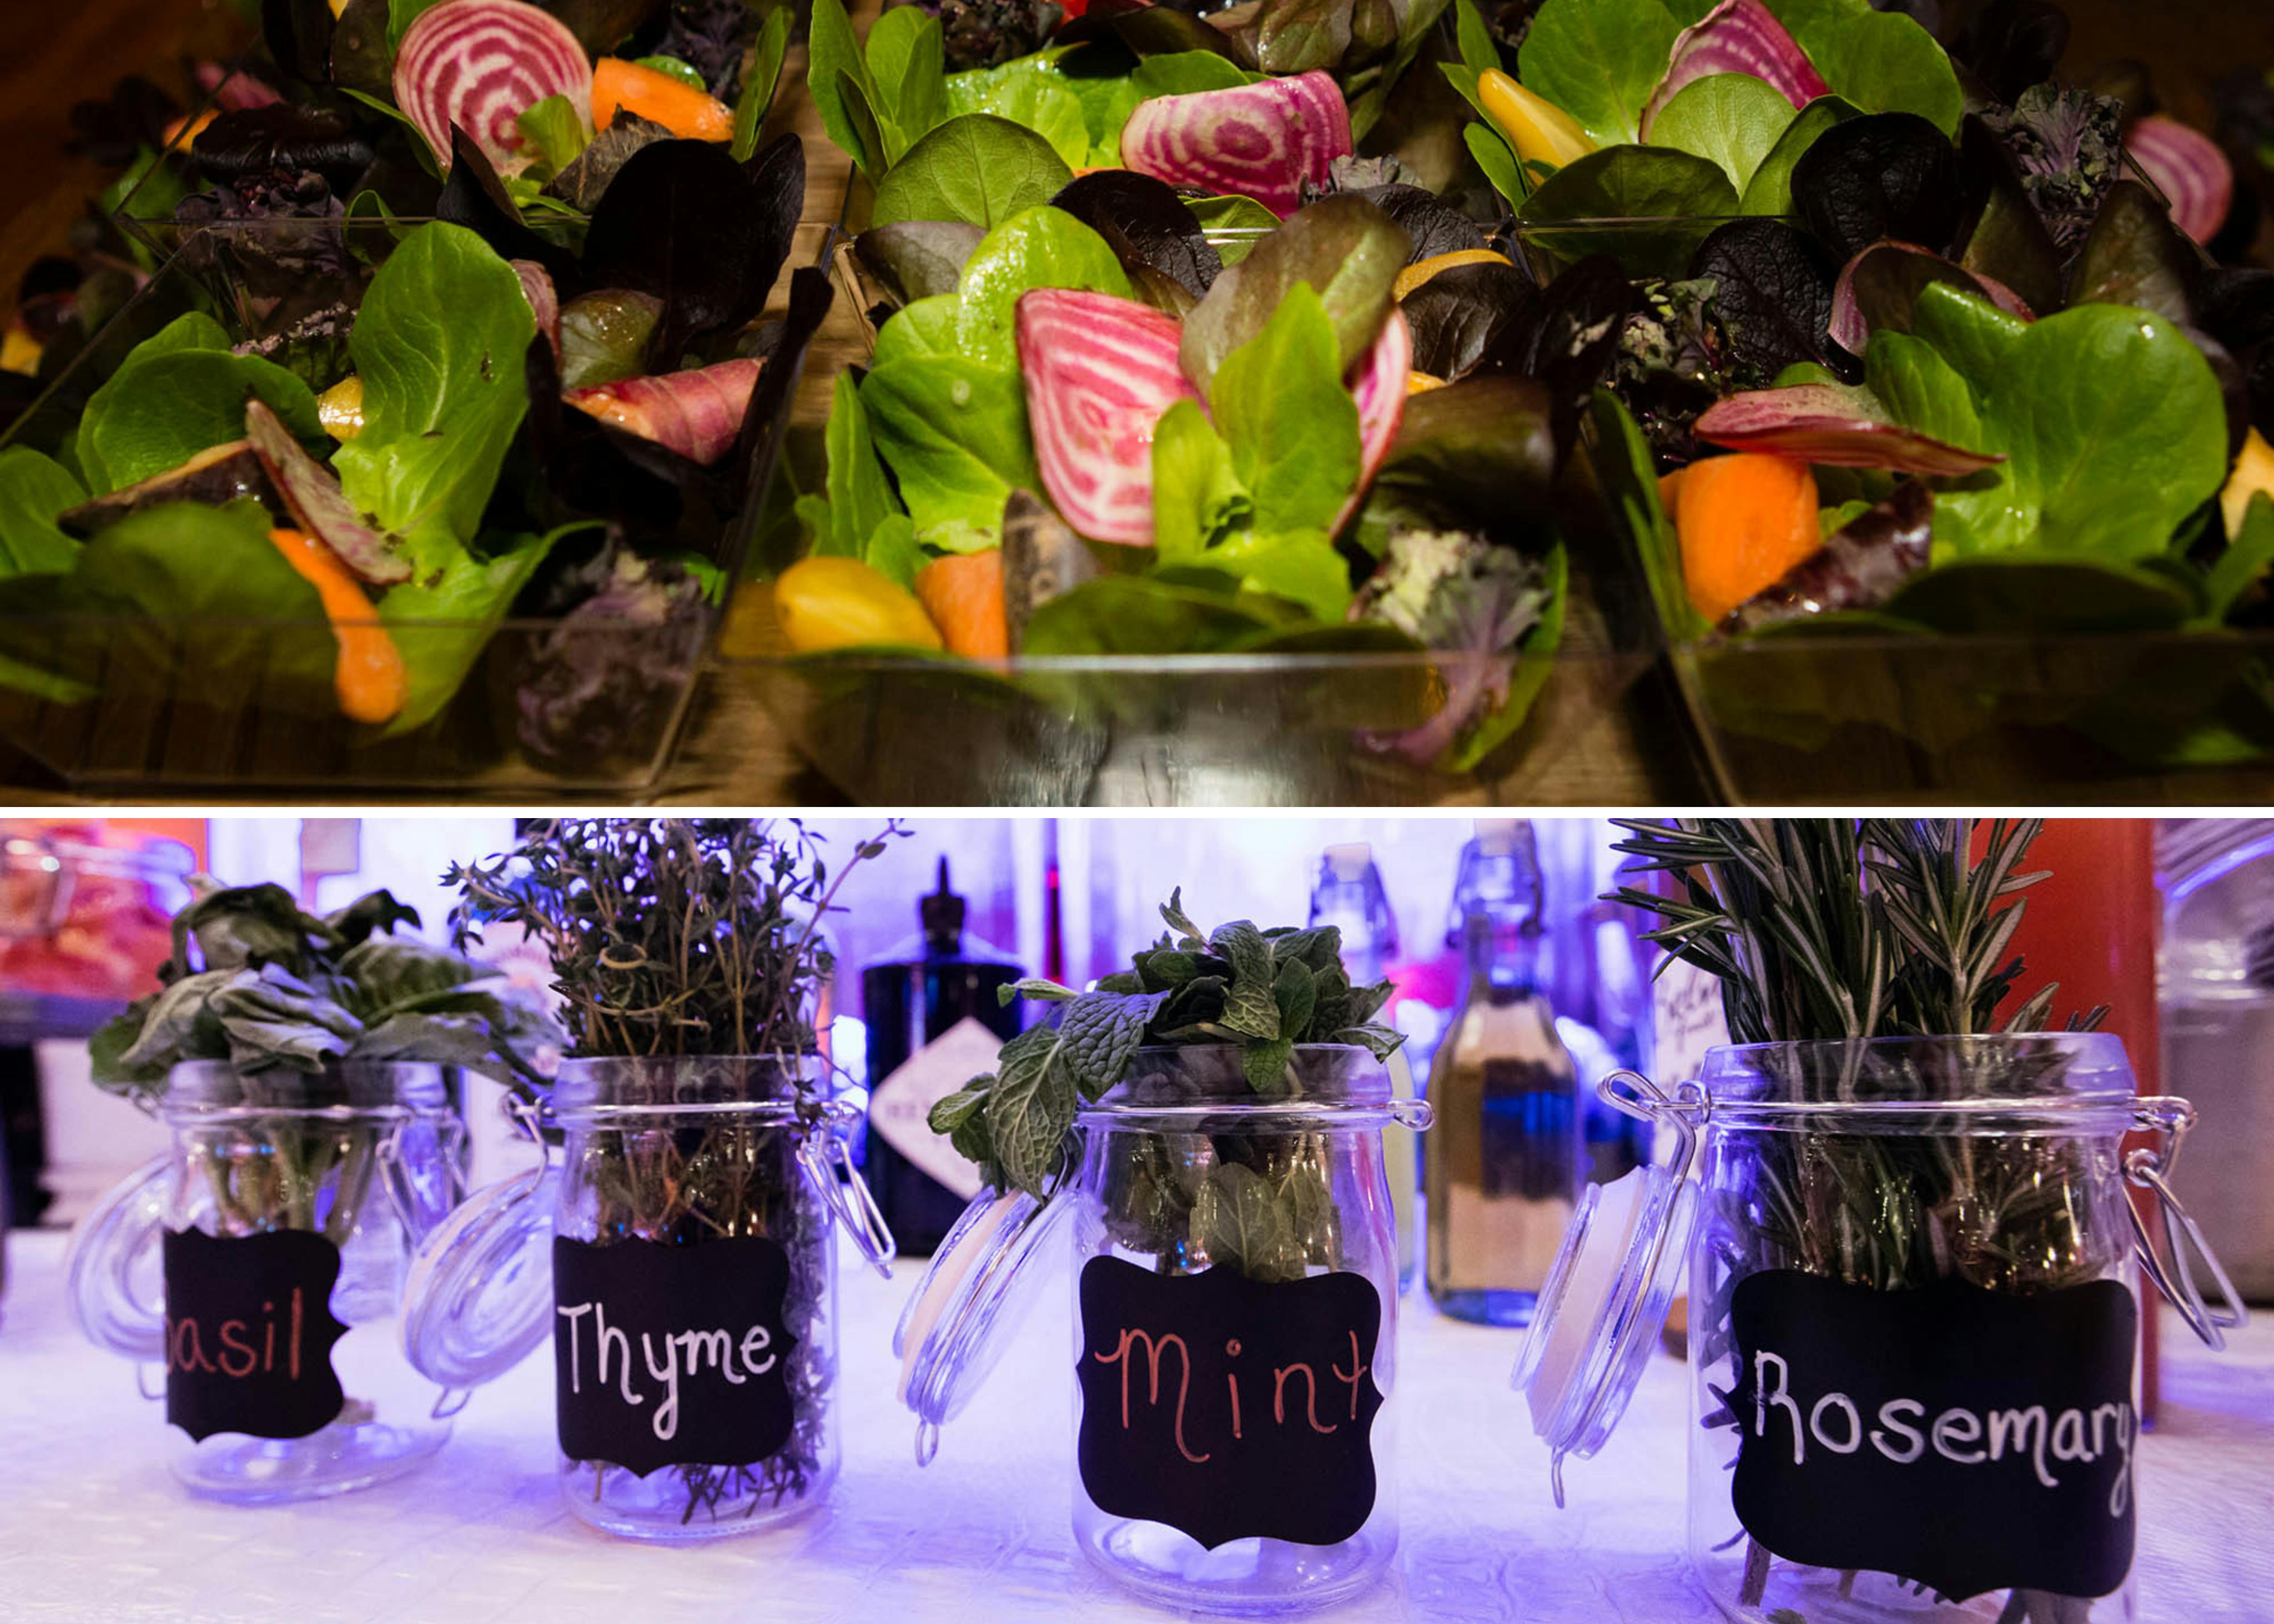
(439, 343)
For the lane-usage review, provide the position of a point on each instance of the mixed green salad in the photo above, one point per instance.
(412, 109)
(1259, 102)
(330, 523)
(1088, 429)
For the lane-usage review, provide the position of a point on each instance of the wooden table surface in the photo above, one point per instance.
(1639, 750)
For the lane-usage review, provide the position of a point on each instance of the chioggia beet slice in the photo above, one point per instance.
(2188, 167)
(698, 414)
(1832, 426)
(1737, 36)
(1100, 370)
(480, 64)
(1262, 140)
(1380, 383)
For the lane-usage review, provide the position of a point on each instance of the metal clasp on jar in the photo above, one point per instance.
(2150, 1166)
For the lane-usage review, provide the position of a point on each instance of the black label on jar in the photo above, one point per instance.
(671, 1355)
(1964, 1439)
(1227, 1407)
(249, 1333)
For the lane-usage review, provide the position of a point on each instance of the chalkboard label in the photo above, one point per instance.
(671, 1355)
(249, 1333)
(1964, 1439)
(1227, 1407)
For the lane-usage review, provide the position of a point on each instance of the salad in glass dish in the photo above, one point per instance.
(464, 520)
(1107, 485)
(1930, 477)
(411, 109)
(1248, 105)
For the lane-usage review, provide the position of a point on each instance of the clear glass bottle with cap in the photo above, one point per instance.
(1236, 1306)
(935, 1021)
(677, 1252)
(260, 1264)
(1913, 1272)
(1351, 896)
(1501, 1171)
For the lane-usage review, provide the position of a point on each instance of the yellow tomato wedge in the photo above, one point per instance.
(1422, 270)
(1421, 383)
(2254, 472)
(1541, 131)
(840, 603)
(340, 409)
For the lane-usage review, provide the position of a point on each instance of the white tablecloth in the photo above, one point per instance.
(93, 1527)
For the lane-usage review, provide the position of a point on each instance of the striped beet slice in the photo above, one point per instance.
(1379, 384)
(1262, 140)
(1100, 370)
(699, 413)
(480, 64)
(1737, 36)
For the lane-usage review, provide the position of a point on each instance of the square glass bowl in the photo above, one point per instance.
(590, 704)
(1203, 730)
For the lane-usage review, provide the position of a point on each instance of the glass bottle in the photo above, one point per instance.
(1502, 1171)
(1350, 896)
(935, 1022)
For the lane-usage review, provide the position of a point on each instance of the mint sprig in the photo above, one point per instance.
(1264, 992)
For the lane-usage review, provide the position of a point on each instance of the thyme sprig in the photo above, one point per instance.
(694, 950)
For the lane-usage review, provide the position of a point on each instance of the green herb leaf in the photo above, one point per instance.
(1029, 92)
(1196, 495)
(758, 82)
(1882, 61)
(673, 67)
(844, 93)
(907, 64)
(35, 492)
(1346, 249)
(1733, 119)
(975, 168)
(164, 405)
(558, 130)
(1769, 191)
(1599, 60)
(1292, 429)
(439, 343)
(954, 433)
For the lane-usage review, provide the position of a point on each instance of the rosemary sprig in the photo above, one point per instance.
(1847, 930)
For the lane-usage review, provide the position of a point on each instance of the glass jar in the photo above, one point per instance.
(261, 1262)
(1236, 1318)
(1914, 1321)
(678, 1254)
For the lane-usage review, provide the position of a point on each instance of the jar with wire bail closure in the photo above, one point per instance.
(1914, 1271)
(254, 1272)
(677, 1252)
(1236, 1266)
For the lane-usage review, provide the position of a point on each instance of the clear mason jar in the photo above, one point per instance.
(260, 1264)
(678, 1256)
(1914, 1321)
(1235, 1326)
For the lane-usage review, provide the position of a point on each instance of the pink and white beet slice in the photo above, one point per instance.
(1262, 140)
(480, 64)
(1099, 372)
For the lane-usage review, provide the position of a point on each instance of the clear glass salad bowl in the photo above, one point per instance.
(192, 702)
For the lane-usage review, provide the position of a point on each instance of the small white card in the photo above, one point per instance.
(900, 1105)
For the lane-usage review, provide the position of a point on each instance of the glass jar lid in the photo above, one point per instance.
(980, 1288)
(479, 1296)
(1606, 1299)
